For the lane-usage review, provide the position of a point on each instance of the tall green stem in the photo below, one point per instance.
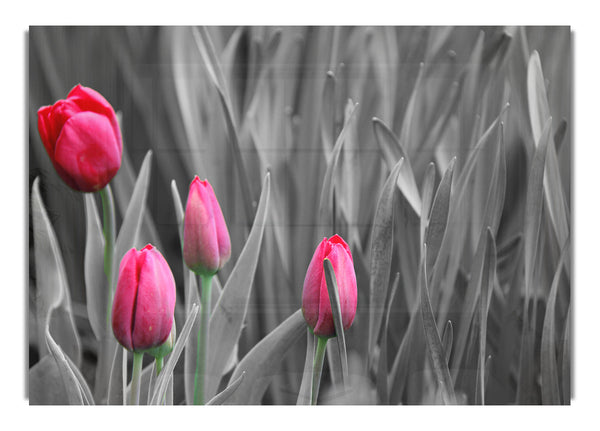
(134, 399)
(201, 359)
(317, 368)
(108, 218)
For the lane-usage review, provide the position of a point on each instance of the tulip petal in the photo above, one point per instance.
(87, 151)
(88, 99)
(224, 243)
(155, 301)
(200, 245)
(311, 293)
(124, 300)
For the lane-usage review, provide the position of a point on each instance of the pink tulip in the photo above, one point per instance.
(144, 303)
(82, 137)
(206, 244)
(315, 298)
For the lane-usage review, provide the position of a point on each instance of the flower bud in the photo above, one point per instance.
(165, 348)
(82, 137)
(144, 302)
(206, 244)
(315, 297)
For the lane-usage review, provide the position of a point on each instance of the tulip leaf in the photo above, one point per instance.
(539, 114)
(447, 339)
(436, 226)
(212, 63)
(305, 386)
(434, 343)
(161, 383)
(533, 207)
(96, 288)
(488, 274)
(382, 242)
(549, 367)
(46, 383)
(230, 311)
(53, 301)
(73, 389)
(117, 381)
(327, 120)
(260, 363)
(566, 360)
(326, 199)
(382, 369)
(221, 397)
(455, 238)
(336, 312)
(128, 233)
(427, 200)
(392, 150)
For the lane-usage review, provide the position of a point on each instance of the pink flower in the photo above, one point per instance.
(206, 244)
(82, 137)
(315, 298)
(144, 303)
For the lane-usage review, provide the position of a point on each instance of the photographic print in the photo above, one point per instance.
(303, 215)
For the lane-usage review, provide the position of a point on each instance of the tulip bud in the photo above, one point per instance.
(144, 303)
(316, 307)
(206, 244)
(82, 137)
(165, 348)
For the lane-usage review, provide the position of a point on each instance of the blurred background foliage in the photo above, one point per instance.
(436, 88)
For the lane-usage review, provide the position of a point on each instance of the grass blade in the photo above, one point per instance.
(434, 344)
(261, 362)
(336, 311)
(382, 242)
(230, 311)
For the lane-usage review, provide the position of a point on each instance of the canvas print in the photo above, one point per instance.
(299, 215)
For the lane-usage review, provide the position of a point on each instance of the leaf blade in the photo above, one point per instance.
(381, 253)
(258, 364)
(230, 311)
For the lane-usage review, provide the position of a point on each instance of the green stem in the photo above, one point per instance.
(317, 368)
(136, 382)
(201, 359)
(108, 218)
(159, 365)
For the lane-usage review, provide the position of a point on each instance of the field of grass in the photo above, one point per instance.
(462, 250)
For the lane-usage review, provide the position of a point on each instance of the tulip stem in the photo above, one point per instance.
(134, 399)
(108, 217)
(317, 368)
(159, 365)
(202, 357)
